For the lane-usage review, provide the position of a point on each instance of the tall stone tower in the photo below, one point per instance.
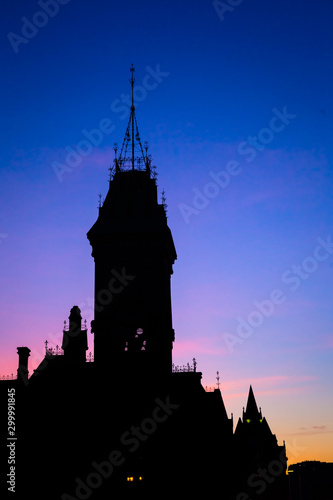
(134, 253)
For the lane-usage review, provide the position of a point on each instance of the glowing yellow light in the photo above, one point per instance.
(140, 478)
(130, 478)
(260, 420)
(248, 421)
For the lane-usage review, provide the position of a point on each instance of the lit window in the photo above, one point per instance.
(248, 421)
(130, 479)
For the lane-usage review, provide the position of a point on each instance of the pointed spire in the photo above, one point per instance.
(132, 80)
(132, 155)
(251, 407)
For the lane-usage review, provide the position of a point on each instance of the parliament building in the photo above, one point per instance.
(129, 422)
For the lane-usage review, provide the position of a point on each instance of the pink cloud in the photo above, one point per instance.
(197, 346)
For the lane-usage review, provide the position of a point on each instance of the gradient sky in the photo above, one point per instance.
(243, 96)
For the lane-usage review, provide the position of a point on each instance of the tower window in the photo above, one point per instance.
(136, 342)
(138, 332)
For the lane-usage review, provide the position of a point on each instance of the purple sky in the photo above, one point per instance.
(238, 115)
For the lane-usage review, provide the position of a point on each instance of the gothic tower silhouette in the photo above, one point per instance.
(134, 253)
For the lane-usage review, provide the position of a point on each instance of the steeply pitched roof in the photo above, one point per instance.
(251, 407)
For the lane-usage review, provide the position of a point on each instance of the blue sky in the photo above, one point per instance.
(242, 96)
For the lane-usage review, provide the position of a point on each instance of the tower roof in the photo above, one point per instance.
(251, 407)
(132, 155)
(131, 205)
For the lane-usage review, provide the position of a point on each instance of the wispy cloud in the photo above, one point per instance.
(314, 430)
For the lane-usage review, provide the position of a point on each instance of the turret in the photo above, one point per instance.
(75, 342)
(256, 449)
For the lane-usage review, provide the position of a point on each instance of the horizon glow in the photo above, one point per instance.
(238, 115)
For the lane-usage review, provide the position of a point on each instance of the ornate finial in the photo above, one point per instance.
(132, 79)
(153, 169)
(218, 379)
(110, 174)
(115, 161)
(100, 200)
(165, 206)
(194, 364)
(46, 344)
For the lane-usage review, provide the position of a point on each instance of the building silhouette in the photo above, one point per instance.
(311, 480)
(129, 421)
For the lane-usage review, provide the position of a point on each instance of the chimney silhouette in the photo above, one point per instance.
(22, 371)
